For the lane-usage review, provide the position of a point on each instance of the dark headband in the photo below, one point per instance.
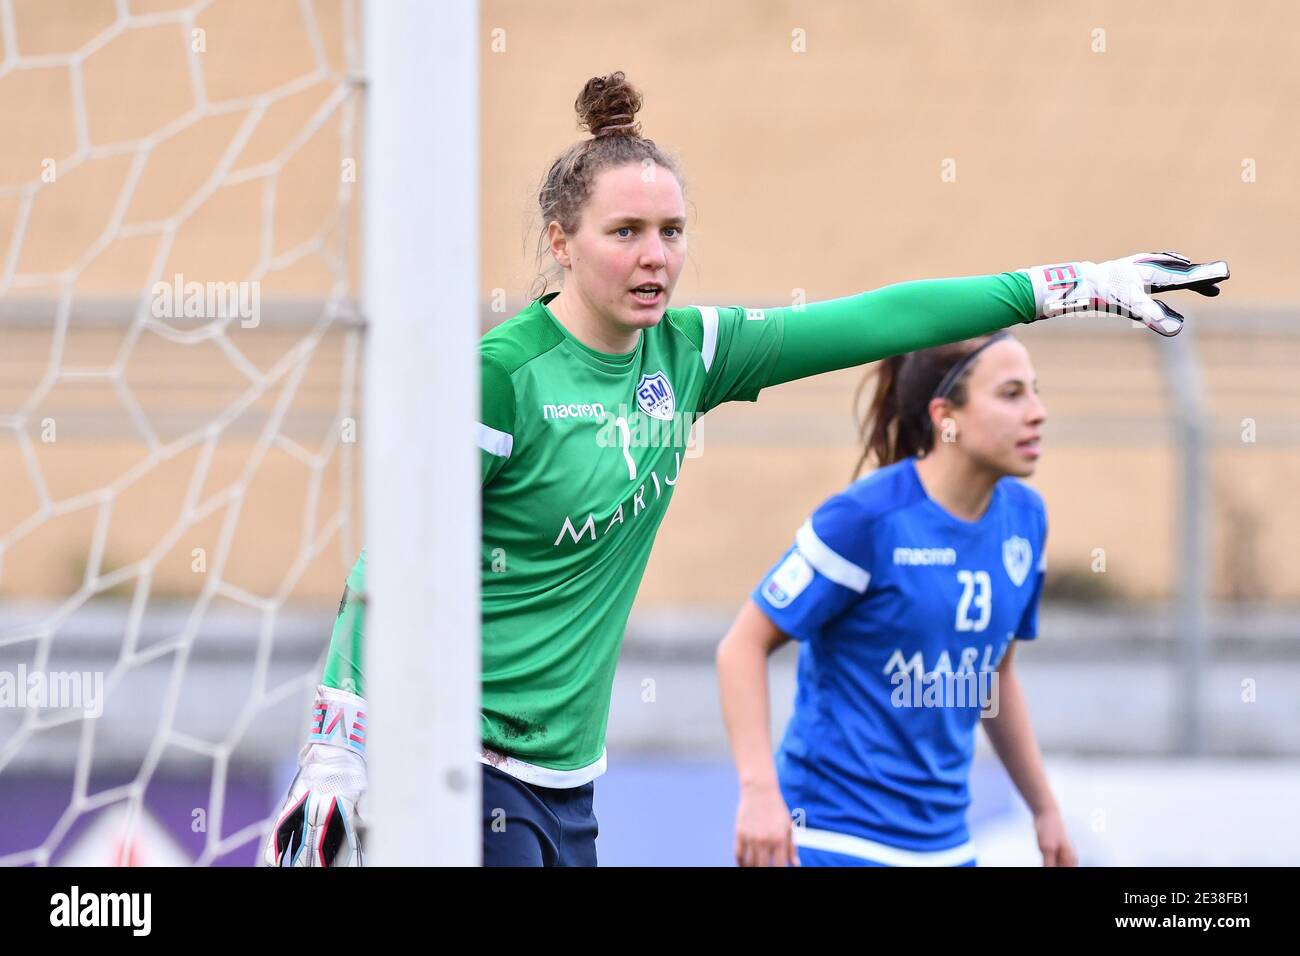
(949, 381)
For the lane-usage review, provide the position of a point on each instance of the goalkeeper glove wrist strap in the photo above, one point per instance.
(338, 719)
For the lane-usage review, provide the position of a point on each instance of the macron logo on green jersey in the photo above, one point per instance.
(574, 410)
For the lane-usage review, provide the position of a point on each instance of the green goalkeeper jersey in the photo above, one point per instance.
(581, 452)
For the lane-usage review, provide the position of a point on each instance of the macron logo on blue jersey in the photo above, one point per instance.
(925, 556)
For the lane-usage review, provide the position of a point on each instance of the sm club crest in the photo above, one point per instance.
(654, 396)
(1017, 555)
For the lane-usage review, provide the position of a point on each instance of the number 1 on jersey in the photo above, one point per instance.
(621, 422)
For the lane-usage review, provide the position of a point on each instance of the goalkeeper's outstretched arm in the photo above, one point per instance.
(319, 823)
(840, 333)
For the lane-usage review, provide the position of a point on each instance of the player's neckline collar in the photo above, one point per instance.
(604, 361)
(939, 509)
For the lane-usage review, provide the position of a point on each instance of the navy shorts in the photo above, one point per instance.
(526, 825)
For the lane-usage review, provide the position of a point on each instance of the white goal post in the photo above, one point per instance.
(421, 401)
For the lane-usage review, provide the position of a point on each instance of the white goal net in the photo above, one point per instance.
(179, 391)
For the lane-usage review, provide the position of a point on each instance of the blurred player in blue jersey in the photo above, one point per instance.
(907, 592)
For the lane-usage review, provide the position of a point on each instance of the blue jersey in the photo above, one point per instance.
(903, 613)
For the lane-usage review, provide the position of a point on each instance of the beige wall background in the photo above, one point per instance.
(813, 138)
(821, 171)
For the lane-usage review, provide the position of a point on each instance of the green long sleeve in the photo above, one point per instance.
(343, 665)
(839, 333)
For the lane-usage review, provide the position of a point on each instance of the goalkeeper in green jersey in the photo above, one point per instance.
(587, 395)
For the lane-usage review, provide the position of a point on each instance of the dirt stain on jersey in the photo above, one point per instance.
(521, 727)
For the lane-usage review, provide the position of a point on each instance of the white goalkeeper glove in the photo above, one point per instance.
(1124, 287)
(318, 823)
